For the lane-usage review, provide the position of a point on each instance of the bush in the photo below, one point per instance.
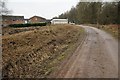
(28, 25)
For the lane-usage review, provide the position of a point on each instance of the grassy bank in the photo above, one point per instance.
(112, 29)
(36, 53)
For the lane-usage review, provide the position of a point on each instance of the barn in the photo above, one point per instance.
(59, 21)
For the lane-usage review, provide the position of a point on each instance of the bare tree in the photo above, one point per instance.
(3, 8)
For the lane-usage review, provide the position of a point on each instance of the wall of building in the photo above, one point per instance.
(18, 22)
(59, 21)
(7, 20)
(5, 23)
(36, 20)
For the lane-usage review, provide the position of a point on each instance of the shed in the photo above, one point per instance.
(59, 21)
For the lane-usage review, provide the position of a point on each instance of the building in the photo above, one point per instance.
(10, 19)
(26, 21)
(59, 21)
(36, 19)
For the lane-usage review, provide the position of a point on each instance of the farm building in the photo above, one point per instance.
(36, 19)
(10, 19)
(59, 21)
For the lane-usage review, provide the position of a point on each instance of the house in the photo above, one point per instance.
(6, 20)
(36, 19)
(59, 21)
(10, 19)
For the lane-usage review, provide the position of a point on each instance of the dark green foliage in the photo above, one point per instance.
(28, 25)
(109, 13)
(93, 13)
(118, 12)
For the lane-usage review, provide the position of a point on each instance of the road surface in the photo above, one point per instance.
(96, 58)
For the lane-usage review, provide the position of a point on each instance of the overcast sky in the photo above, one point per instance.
(44, 8)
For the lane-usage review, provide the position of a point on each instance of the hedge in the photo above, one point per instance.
(28, 25)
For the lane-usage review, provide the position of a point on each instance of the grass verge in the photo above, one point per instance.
(111, 29)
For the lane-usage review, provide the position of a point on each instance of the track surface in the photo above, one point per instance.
(96, 58)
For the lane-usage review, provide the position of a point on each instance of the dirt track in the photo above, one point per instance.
(96, 58)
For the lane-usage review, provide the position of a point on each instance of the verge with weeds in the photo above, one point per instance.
(36, 53)
(112, 29)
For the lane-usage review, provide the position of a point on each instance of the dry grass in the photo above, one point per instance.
(10, 30)
(112, 29)
(34, 53)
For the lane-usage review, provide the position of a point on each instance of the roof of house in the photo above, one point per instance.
(12, 17)
(37, 17)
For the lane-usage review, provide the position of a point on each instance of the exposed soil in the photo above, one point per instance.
(96, 58)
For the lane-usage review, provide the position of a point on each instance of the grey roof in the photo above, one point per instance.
(38, 17)
(11, 17)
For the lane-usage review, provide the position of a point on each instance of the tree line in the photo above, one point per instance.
(93, 13)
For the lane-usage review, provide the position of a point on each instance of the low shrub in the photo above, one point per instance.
(27, 25)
